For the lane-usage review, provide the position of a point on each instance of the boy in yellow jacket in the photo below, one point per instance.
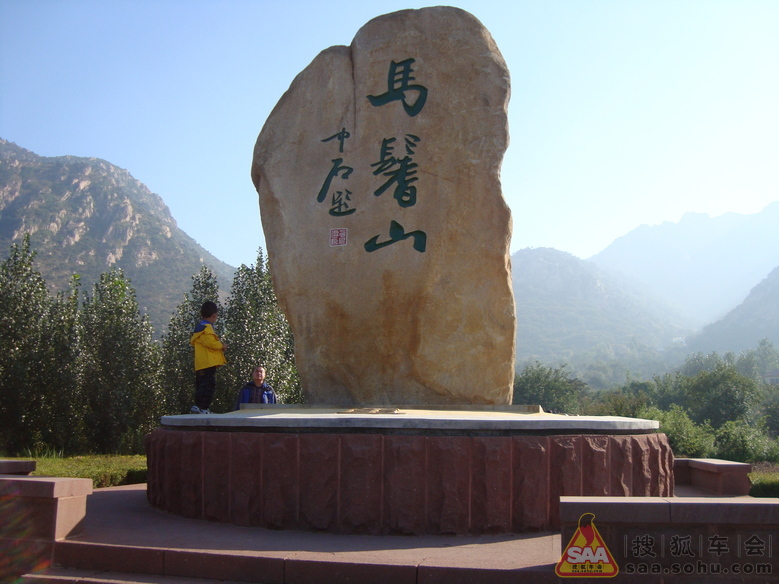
(209, 354)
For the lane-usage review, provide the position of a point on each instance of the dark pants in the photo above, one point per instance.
(205, 386)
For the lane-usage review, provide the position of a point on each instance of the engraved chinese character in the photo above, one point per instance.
(341, 200)
(401, 171)
(337, 169)
(340, 204)
(397, 233)
(340, 136)
(398, 84)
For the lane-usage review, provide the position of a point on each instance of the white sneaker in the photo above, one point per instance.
(197, 410)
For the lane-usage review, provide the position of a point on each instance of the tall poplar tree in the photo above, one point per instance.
(257, 333)
(64, 404)
(25, 305)
(119, 365)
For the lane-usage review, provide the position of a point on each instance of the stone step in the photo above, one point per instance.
(208, 565)
(82, 576)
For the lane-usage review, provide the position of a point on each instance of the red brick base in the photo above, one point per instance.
(390, 483)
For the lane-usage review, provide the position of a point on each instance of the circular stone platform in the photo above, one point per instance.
(399, 470)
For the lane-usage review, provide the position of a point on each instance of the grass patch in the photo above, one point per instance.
(104, 470)
(765, 480)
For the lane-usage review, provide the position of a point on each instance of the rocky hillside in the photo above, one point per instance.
(567, 306)
(85, 215)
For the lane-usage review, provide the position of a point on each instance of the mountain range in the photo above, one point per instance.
(567, 306)
(702, 284)
(85, 216)
(703, 265)
(743, 327)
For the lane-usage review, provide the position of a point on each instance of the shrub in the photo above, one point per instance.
(685, 437)
(765, 483)
(552, 389)
(737, 440)
(617, 403)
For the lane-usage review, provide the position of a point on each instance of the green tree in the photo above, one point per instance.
(178, 373)
(629, 401)
(26, 305)
(770, 410)
(686, 438)
(59, 362)
(257, 332)
(742, 442)
(552, 389)
(721, 395)
(666, 390)
(767, 357)
(752, 363)
(119, 364)
(698, 362)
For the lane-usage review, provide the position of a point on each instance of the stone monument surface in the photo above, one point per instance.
(378, 174)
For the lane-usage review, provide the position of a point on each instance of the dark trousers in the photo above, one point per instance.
(205, 386)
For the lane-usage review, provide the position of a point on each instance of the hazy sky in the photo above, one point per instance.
(622, 112)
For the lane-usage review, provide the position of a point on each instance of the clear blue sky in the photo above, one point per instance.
(623, 112)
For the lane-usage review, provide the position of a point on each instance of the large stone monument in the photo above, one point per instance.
(378, 174)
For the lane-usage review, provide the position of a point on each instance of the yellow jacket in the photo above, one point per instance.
(209, 351)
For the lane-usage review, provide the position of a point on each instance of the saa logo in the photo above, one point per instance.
(586, 555)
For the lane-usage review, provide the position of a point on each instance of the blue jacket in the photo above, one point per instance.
(251, 394)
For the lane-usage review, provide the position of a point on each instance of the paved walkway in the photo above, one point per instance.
(121, 516)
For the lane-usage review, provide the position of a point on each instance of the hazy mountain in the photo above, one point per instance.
(567, 306)
(85, 216)
(704, 265)
(746, 325)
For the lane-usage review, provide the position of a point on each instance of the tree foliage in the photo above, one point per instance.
(720, 395)
(75, 377)
(257, 333)
(177, 371)
(64, 420)
(686, 438)
(769, 410)
(120, 366)
(22, 346)
(713, 406)
(81, 373)
(254, 329)
(743, 442)
(553, 389)
(629, 402)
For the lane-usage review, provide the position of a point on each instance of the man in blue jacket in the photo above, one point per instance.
(256, 391)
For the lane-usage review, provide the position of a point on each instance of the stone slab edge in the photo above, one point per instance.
(531, 422)
(671, 510)
(44, 487)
